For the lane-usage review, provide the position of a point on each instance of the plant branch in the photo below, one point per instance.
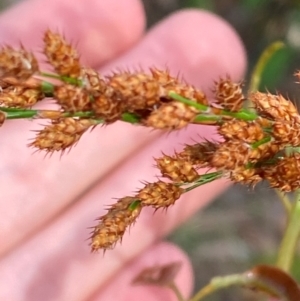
(285, 201)
(219, 283)
(173, 286)
(204, 179)
(289, 242)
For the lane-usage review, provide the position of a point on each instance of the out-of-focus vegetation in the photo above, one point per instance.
(259, 23)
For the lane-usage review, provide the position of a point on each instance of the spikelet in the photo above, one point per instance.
(274, 106)
(114, 223)
(229, 94)
(230, 155)
(171, 116)
(176, 169)
(159, 194)
(169, 83)
(20, 97)
(164, 77)
(72, 98)
(234, 153)
(108, 105)
(61, 134)
(199, 154)
(242, 130)
(285, 174)
(61, 55)
(245, 175)
(19, 64)
(92, 81)
(140, 91)
(287, 132)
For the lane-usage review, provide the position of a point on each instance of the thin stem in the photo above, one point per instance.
(173, 286)
(202, 293)
(47, 88)
(212, 113)
(243, 114)
(187, 101)
(204, 179)
(13, 113)
(66, 79)
(16, 113)
(285, 201)
(207, 119)
(78, 114)
(218, 283)
(260, 142)
(289, 242)
(130, 118)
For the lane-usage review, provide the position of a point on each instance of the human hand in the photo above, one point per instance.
(48, 203)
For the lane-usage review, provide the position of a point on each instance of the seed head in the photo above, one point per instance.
(229, 94)
(241, 130)
(20, 97)
(199, 154)
(61, 134)
(139, 91)
(274, 106)
(285, 174)
(114, 223)
(19, 64)
(176, 169)
(72, 98)
(61, 55)
(159, 194)
(171, 116)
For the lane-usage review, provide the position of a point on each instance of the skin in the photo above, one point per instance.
(48, 203)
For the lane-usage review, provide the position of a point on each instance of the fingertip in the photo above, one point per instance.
(101, 29)
(196, 44)
(217, 44)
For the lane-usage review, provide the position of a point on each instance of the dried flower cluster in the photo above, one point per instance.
(256, 143)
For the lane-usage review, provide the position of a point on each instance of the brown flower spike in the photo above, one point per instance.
(256, 144)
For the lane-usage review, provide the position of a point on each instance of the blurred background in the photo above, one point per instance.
(243, 227)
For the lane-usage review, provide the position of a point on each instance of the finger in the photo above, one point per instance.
(101, 29)
(60, 252)
(155, 256)
(53, 252)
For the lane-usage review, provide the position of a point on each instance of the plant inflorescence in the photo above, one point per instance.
(259, 132)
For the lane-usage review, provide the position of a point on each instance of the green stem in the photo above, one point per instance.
(207, 119)
(130, 118)
(261, 142)
(289, 242)
(207, 113)
(204, 179)
(187, 101)
(243, 114)
(219, 283)
(66, 79)
(16, 113)
(176, 291)
(47, 88)
(285, 201)
(13, 113)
